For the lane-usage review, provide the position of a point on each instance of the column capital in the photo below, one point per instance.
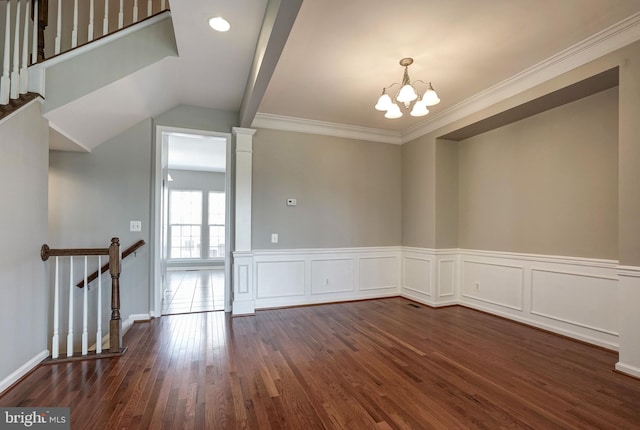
(245, 131)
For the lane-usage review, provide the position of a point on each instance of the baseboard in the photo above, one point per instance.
(628, 369)
(547, 327)
(23, 370)
(126, 325)
(430, 303)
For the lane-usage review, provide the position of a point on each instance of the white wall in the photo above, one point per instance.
(23, 219)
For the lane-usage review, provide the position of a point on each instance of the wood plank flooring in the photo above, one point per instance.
(193, 291)
(379, 364)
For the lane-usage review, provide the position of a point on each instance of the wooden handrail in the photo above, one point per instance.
(46, 252)
(115, 324)
(127, 252)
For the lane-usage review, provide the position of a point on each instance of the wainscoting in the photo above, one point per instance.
(576, 297)
(297, 277)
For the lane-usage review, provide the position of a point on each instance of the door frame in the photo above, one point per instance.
(158, 265)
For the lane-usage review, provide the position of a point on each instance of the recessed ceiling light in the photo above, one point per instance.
(219, 24)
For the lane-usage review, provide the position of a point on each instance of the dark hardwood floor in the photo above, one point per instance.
(380, 364)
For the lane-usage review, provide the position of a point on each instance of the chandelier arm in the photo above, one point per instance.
(391, 85)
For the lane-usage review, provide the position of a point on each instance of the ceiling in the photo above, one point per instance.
(196, 152)
(339, 55)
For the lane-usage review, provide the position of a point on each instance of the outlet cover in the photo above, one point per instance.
(135, 225)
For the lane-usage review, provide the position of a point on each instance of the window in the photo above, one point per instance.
(216, 224)
(185, 224)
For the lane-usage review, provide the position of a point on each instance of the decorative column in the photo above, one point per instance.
(243, 285)
(629, 214)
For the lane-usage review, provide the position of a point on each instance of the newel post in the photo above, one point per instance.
(115, 325)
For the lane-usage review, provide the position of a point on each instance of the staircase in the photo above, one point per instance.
(80, 309)
(63, 50)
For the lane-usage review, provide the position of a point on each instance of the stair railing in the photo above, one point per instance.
(23, 40)
(115, 323)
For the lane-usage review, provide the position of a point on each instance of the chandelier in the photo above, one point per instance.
(406, 95)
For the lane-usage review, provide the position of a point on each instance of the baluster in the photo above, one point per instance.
(74, 31)
(24, 72)
(34, 47)
(121, 15)
(55, 340)
(105, 21)
(59, 28)
(90, 28)
(99, 322)
(163, 5)
(135, 11)
(85, 312)
(5, 82)
(15, 74)
(70, 332)
(149, 8)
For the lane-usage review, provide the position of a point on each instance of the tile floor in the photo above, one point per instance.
(193, 291)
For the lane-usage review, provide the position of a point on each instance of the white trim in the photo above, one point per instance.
(628, 369)
(126, 324)
(549, 327)
(23, 370)
(156, 263)
(581, 261)
(606, 41)
(629, 271)
(301, 125)
(333, 252)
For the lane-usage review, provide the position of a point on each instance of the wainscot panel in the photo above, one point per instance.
(495, 283)
(429, 275)
(332, 276)
(309, 276)
(575, 297)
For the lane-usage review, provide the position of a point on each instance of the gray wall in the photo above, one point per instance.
(71, 79)
(23, 286)
(419, 193)
(348, 191)
(92, 198)
(421, 173)
(546, 184)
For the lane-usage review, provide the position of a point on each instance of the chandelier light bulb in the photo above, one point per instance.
(393, 112)
(419, 109)
(407, 94)
(430, 97)
(384, 102)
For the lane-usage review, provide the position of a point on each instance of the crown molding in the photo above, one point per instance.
(606, 41)
(278, 122)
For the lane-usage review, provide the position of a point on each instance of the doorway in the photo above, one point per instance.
(191, 268)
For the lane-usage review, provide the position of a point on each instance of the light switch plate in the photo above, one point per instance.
(135, 225)
(292, 202)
